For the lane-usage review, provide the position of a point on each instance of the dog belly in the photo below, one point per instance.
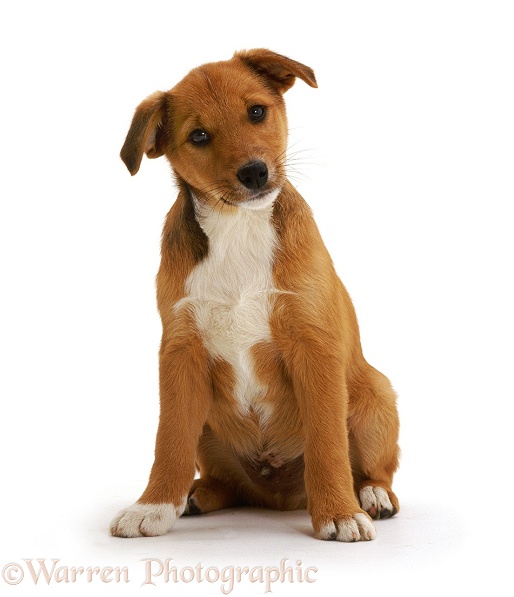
(266, 467)
(263, 447)
(270, 474)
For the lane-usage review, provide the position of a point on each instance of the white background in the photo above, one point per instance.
(405, 153)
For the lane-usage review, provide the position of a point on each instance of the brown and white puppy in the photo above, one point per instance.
(263, 385)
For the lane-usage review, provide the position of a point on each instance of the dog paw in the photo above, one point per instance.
(193, 506)
(208, 494)
(349, 528)
(376, 501)
(145, 520)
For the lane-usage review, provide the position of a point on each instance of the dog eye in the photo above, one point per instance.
(199, 137)
(257, 113)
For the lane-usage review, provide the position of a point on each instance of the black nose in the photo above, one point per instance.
(253, 175)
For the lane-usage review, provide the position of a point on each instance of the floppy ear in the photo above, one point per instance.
(280, 71)
(146, 133)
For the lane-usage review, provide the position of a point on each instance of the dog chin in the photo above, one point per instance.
(261, 201)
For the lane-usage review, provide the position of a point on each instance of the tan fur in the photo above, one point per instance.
(333, 427)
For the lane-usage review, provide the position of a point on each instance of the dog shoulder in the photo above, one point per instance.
(183, 245)
(303, 257)
(314, 297)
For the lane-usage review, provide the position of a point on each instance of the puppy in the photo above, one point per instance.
(263, 386)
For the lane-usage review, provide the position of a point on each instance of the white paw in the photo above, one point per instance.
(145, 520)
(358, 527)
(375, 501)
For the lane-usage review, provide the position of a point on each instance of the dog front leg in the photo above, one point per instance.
(320, 388)
(185, 397)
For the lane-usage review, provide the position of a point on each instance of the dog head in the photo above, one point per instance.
(223, 128)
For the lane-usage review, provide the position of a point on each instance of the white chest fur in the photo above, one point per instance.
(230, 292)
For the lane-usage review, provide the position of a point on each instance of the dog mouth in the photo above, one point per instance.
(257, 200)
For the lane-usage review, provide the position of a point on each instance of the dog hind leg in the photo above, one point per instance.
(208, 494)
(373, 431)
